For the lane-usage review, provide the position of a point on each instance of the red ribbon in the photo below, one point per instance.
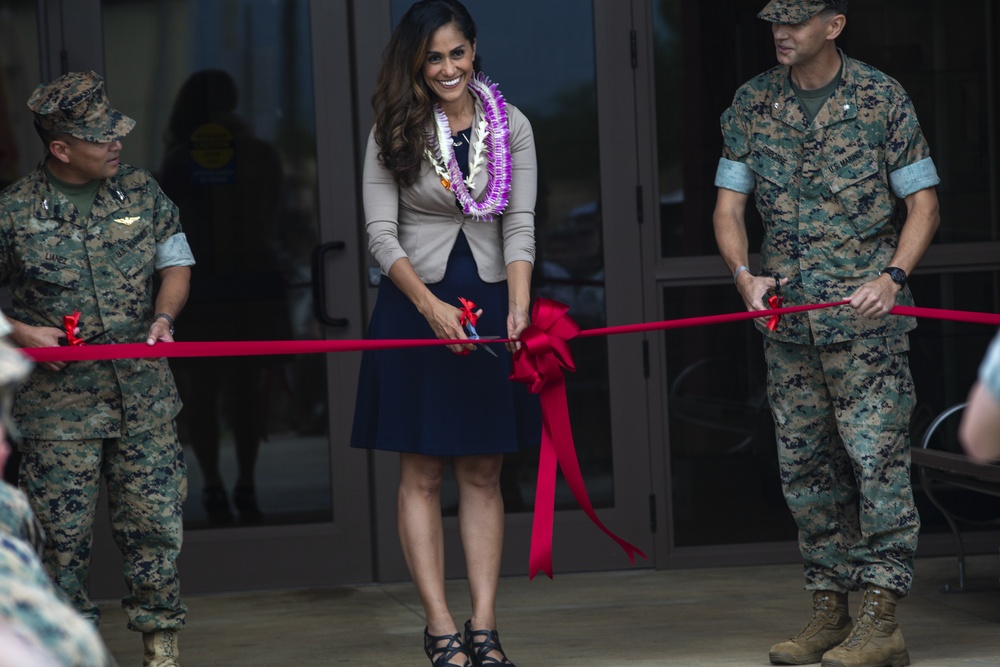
(544, 353)
(246, 348)
(774, 302)
(70, 323)
(539, 363)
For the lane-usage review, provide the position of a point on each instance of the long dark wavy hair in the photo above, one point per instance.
(402, 102)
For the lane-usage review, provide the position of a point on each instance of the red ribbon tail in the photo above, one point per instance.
(540, 558)
(556, 405)
(558, 448)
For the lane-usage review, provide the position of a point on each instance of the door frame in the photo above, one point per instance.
(361, 544)
(247, 558)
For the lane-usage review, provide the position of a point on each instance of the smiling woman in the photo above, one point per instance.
(448, 69)
(449, 219)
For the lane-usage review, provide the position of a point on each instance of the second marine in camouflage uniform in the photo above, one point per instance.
(37, 624)
(93, 245)
(38, 628)
(827, 165)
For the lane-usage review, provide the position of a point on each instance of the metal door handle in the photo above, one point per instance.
(319, 284)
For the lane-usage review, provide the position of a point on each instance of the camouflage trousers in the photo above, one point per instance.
(146, 482)
(841, 415)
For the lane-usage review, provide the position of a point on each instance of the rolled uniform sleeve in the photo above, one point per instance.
(733, 173)
(172, 248)
(174, 251)
(910, 166)
(913, 178)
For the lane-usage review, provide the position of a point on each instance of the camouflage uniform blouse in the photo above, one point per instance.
(17, 519)
(37, 612)
(54, 263)
(826, 192)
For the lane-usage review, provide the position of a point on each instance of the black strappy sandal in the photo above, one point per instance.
(441, 655)
(482, 643)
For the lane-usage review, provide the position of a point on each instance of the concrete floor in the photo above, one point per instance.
(688, 618)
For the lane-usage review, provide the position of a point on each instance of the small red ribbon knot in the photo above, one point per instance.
(774, 302)
(70, 322)
(539, 363)
(468, 312)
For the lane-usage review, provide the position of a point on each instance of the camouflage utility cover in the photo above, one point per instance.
(76, 104)
(791, 12)
(54, 262)
(824, 191)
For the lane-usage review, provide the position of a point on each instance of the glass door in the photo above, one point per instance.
(236, 117)
(231, 138)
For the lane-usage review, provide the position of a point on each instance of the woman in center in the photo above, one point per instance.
(449, 196)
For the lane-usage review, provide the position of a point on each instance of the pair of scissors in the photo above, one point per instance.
(81, 341)
(468, 320)
(470, 328)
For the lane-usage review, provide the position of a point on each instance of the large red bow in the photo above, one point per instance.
(539, 363)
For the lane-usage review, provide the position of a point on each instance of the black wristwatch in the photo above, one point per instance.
(170, 320)
(897, 274)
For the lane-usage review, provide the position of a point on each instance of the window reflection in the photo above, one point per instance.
(723, 457)
(20, 149)
(232, 141)
(721, 434)
(944, 360)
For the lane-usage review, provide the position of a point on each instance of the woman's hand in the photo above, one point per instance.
(518, 319)
(446, 322)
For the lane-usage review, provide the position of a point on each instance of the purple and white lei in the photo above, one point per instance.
(492, 139)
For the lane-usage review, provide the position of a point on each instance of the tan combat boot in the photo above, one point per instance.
(160, 649)
(830, 624)
(876, 640)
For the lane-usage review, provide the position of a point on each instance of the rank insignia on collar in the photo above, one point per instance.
(126, 221)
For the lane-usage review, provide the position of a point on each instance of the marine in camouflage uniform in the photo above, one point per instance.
(84, 233)
(17, 519)
(828, 160)
(37, 624)
(36, 612)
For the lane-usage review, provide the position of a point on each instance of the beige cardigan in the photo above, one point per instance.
(421, 222)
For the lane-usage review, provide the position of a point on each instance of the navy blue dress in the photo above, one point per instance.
(430, 400)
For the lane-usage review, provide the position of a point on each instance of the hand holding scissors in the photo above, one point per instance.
(468, 320)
